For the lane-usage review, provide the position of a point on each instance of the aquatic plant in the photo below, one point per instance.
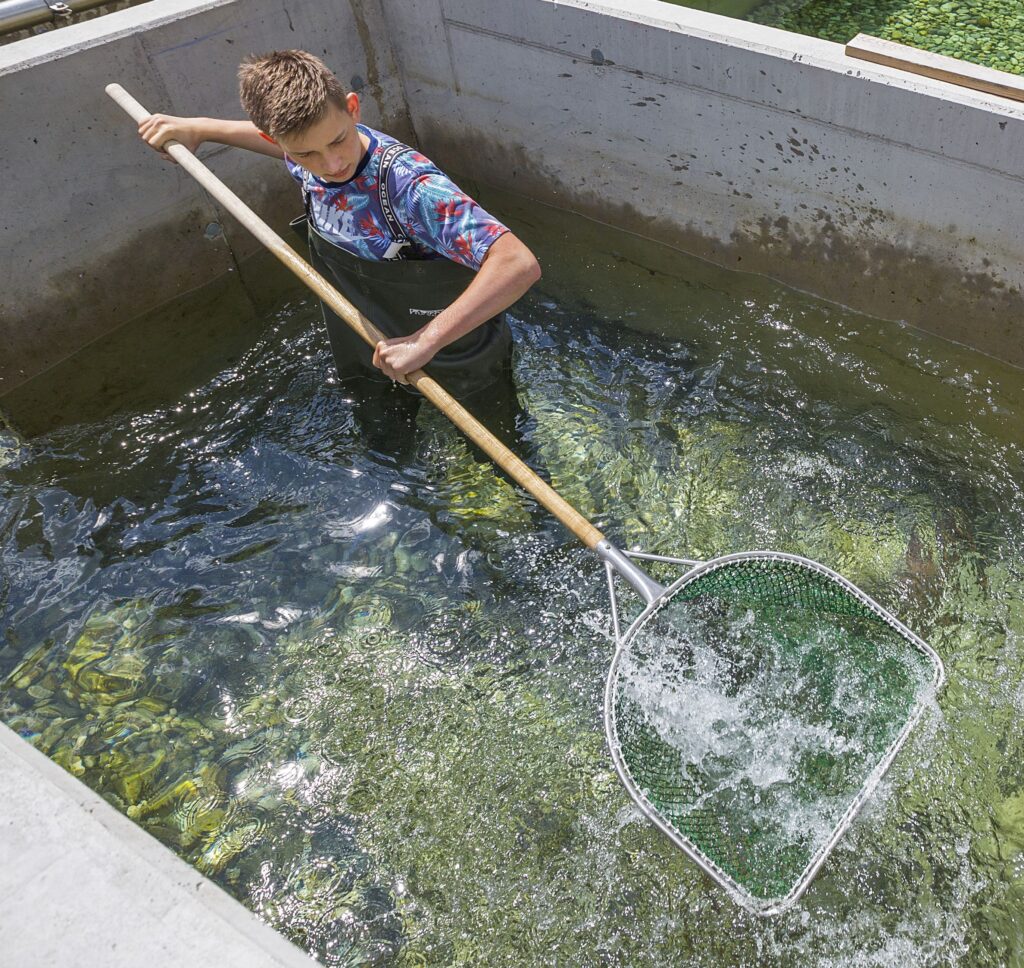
(987, 32)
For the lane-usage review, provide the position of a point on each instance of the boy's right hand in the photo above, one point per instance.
(157, 129)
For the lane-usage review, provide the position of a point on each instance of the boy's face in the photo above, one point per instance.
(332, 148)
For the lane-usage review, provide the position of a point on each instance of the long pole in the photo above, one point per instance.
(426, 385)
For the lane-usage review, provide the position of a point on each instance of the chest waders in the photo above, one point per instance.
(401, 296)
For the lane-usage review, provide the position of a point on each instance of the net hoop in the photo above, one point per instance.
(760, 906)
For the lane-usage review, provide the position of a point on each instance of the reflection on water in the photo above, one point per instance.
(365, 695)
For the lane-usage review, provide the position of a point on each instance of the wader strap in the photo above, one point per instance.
(305, 198)
(400, 240)
(387, 159)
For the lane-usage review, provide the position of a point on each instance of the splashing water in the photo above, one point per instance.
(755, 730)
(364, 694)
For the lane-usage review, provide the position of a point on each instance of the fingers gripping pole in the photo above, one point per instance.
(437, 395)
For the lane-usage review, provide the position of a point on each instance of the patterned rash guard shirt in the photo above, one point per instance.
(440, 221)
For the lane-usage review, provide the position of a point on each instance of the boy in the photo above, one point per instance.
(414, 254)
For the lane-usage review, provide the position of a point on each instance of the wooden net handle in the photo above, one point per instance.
(429, 387)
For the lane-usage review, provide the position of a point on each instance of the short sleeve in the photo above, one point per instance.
(294, 169)
(435, 213)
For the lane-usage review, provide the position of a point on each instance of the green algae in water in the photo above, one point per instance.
(986, 32)
(367, 703)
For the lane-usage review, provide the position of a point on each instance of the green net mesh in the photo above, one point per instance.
(752, 710)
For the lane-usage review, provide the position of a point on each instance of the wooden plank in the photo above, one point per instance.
(938, 66)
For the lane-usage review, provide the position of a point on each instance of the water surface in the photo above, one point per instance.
(364, 693)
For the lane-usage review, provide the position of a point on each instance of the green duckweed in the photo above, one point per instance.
(986, 32)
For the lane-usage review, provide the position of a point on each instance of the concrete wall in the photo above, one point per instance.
(95, 230)
(729, 8)
(750, 146)
(84, 886)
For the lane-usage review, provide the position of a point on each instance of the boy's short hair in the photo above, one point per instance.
(286, 91)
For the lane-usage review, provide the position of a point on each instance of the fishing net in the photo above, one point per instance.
(752, 710)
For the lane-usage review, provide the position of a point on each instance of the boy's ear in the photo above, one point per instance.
(352, 105)
(266, 137)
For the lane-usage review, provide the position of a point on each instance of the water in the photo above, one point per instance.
(365, 696)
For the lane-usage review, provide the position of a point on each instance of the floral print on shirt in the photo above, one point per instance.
(439, 220)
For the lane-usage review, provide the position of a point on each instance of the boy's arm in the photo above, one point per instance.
(507, 272)
(157, 129)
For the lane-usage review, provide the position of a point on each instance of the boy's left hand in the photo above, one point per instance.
(396, 357)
